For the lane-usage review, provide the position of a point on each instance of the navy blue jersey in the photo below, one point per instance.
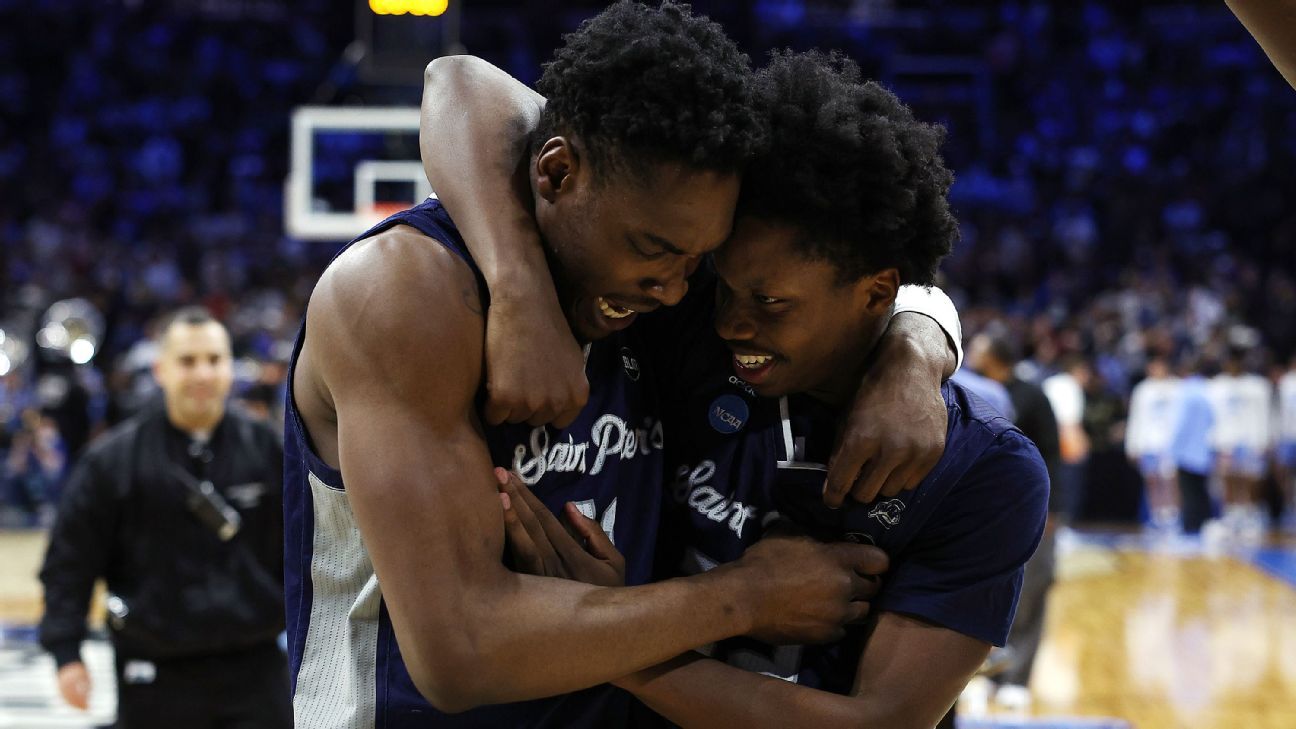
(738, 464)
(346, 666)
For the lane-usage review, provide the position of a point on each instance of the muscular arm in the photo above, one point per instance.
(909, 675)
(418, 477)
(1273, 24)
(473, 138)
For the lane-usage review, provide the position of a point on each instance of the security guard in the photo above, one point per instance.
(179, 509)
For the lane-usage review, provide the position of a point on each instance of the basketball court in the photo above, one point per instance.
(1142, 632)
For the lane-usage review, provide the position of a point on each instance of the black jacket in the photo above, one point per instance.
(175, 588)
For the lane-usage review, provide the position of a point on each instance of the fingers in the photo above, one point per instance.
(844, 466)
(574, 405)
(865, 559)
(874, 475)
(857, 612)
(74, 685)
(907, 477)
(596, 540)
(496, 410)
(559, 410)
(866, 587)
(552, 531)
(532, 551)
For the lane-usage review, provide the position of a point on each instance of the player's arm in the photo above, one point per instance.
(474, 136)
(894, 433)
(1271, 22)
(400, 361)
(909, 675)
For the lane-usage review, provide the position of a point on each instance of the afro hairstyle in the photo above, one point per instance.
(851, 169)
(639, 84)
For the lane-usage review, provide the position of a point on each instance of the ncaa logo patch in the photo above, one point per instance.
(630, 364)
(728, 414)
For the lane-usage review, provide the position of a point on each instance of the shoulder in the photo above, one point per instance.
(117, 439)
(970, 412)
(998, 458)
(397, 298)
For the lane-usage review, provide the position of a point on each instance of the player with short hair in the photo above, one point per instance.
(178, 509)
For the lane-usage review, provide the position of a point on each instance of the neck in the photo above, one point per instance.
(196, 427)
(840, 387)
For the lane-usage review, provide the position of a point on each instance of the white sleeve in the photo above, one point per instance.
(932, 302)
(1066, 397)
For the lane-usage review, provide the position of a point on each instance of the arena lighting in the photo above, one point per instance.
(81, 350)
(413, 7)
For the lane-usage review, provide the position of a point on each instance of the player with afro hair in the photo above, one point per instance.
(630, 108)
(851, 168)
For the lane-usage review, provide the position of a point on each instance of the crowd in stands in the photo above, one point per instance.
(1120, 188)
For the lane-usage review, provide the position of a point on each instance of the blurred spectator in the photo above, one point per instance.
(179, 509)
(1190, 446)
(992, 354)
(1066, 395)
(1147, 441)
(1286, 437)
(987, 389)
(1242, 403)
(32, 470)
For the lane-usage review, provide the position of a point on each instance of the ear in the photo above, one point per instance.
(556, 167)
(876, 292)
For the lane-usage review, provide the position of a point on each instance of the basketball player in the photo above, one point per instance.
(1243, 406)
(399, 606)
(850, 204)
(1147, 440)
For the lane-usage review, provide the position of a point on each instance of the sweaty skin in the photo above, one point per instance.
(884, 448)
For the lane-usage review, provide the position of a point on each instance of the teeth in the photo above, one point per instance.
(752, 361)
(612, 311)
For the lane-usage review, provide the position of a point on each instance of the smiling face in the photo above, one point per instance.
(791, 324)
(195, 371)
(620, 244)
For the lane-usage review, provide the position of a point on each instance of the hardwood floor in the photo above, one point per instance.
(1157, 634)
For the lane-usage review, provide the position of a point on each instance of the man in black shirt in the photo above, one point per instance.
(993, 355)
(179, 509)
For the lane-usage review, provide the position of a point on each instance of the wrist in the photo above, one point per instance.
(738, 598)
(916, 342)
(65, 653)
(524, 267)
